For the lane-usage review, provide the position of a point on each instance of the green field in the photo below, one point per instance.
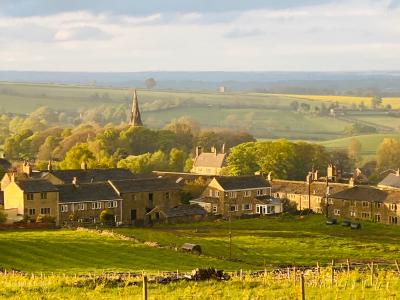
(273, 241)
(369, 142)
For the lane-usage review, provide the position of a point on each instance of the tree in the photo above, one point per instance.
(376, 102)
(150, 83)
(388, 154)
(354, 150)
(177, 159)
(3, 217)
(76, 155)
(106, 217)
(294, 105)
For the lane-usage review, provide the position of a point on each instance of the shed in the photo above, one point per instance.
(193, 248)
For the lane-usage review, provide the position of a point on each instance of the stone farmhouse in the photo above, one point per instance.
(238, 196)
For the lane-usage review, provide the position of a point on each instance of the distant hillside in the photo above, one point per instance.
(357, 83)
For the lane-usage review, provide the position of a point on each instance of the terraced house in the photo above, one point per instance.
(237, 196)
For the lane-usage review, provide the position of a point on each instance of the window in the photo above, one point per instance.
(64, 208)
(365, 215)
(31, 211)
(133, 197)
(259, 192)
(112, 204)
(233, 207)
(232, 194)
(319, 200)
(377, 204)
(216, 193)
(330, 201)
(246, 206)
(151, 195)
(96, 205)
(353, 203)
(81, 206)
(336, 212)
(353, 214)
(43, 195)
(29, 196)
(210, 193)
(45, 211)
(393, 206)
(377, 218)
(215, 208)
(247, 193)
(365, 204)
(392, 220)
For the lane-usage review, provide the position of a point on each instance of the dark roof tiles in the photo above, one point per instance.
(242, 182)
(90, 175)
(87, 192)
(145, 185)
(36, 186)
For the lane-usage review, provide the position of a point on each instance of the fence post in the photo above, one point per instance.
(303, 293)
(294, 275)
(144, 287)
(348, 266)
(372, 273)
(333, 273)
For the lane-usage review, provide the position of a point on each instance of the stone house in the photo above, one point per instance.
(140, 196)
(366, 203)
(32, 197)
(239, 195)
(184, 213)
(305, 195)
(84, 202)
(209, 163)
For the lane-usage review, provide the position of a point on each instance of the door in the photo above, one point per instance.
(133, 216)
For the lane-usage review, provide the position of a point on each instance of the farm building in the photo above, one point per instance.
(184, 213)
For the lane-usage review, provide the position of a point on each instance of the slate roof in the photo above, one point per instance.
(181, 211)
(318, 188)
(36, 186)
(91, 175)
(391, 180)
(368, 193)
(87, 192)
(145, 185)
(242, 182)
(211, 160)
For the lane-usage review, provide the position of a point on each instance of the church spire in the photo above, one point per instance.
(135, 119)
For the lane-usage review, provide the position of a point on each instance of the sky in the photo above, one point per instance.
(202, 35)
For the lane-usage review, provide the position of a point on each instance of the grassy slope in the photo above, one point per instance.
(69, 251)
(369, 142)
(282, 241)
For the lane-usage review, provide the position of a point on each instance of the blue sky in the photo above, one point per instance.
(225, 35)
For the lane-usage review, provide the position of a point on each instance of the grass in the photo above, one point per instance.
(369, 142)
(355, 284)
(281, 241)
(81, 252)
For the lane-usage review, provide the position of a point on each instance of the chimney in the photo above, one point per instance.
(198, 151)
(315, 175)
(213, 150)
(269, 177)
(351, 181)
(398, 172)
(12, 177)
(27, 168)
(223, 148)
(50, 166)
(75, 181)
(309, 177)
(84, 165)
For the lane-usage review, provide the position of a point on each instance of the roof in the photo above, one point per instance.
(318, 188)
(391, 180)
(91, 175)
(145, 185)
(87, 192)
(181, 210)
(272, 201)
(368, 193)
(242, 182)
(36, 186)
(210, 159)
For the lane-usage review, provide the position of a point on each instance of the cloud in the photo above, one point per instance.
(83, 33)
(339, 35)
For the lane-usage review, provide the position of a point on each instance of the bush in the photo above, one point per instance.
(3, 217)
(45, 219)
(107, 217)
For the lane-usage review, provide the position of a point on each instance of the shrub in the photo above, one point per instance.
(3, 217)
(107, 217)
(45, 219)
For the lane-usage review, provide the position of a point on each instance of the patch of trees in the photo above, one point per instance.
(358, 128)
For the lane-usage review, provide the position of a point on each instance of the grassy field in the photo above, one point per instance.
(369, 142)
(274, 241)
(347, 285)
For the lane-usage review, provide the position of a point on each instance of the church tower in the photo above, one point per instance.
(135, 119)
